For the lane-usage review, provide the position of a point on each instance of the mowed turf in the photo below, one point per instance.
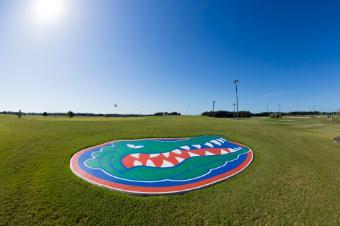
(294, 178)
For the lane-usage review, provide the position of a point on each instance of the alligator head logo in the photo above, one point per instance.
(157, 166)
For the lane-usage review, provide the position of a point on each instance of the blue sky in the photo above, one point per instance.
(155, 55)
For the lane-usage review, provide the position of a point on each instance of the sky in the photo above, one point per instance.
(173, 55)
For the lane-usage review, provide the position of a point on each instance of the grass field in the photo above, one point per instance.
(294, 178)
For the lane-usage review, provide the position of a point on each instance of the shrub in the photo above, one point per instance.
(44, 114)
(70, 114)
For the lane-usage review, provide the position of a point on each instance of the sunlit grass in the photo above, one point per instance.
(294, 179)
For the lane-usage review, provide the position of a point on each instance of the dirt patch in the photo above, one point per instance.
(336, 139)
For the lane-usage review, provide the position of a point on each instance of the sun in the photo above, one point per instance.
(48, 12)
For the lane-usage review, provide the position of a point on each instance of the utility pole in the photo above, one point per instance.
(214, 106)
(236, 91)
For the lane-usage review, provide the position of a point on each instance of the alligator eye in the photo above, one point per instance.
(134, 146)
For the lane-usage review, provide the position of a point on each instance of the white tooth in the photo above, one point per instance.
(150, 163)
(177, 151)
(232, 150)
(179, 159)
(137, 163)
(223, 152)
(185, 147)
(166, 154)
(166, 164)
(209, 144)
(209, 153)
(193, 154)
(197, 146)
(216, 142)
(153, 155)
(135, 155)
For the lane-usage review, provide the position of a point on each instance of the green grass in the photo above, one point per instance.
(294, 179)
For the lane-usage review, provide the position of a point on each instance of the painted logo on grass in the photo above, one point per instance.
(161, 165)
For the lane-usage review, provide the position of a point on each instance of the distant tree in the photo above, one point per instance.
(159, 114)
(174, 113)
(4, 112)
(70, 114)
(227, 114)
(44, 114)
(166, 113)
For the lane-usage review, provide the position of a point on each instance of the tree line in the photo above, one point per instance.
(248, 114)
(217, 114)
(72, 114)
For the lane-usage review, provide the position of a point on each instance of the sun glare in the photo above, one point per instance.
(48, 12)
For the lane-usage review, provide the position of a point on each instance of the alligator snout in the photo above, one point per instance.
(172, 158)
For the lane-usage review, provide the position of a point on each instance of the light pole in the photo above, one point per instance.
(234, 111)
(214, 105)
(236, 91)
(114, 106)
